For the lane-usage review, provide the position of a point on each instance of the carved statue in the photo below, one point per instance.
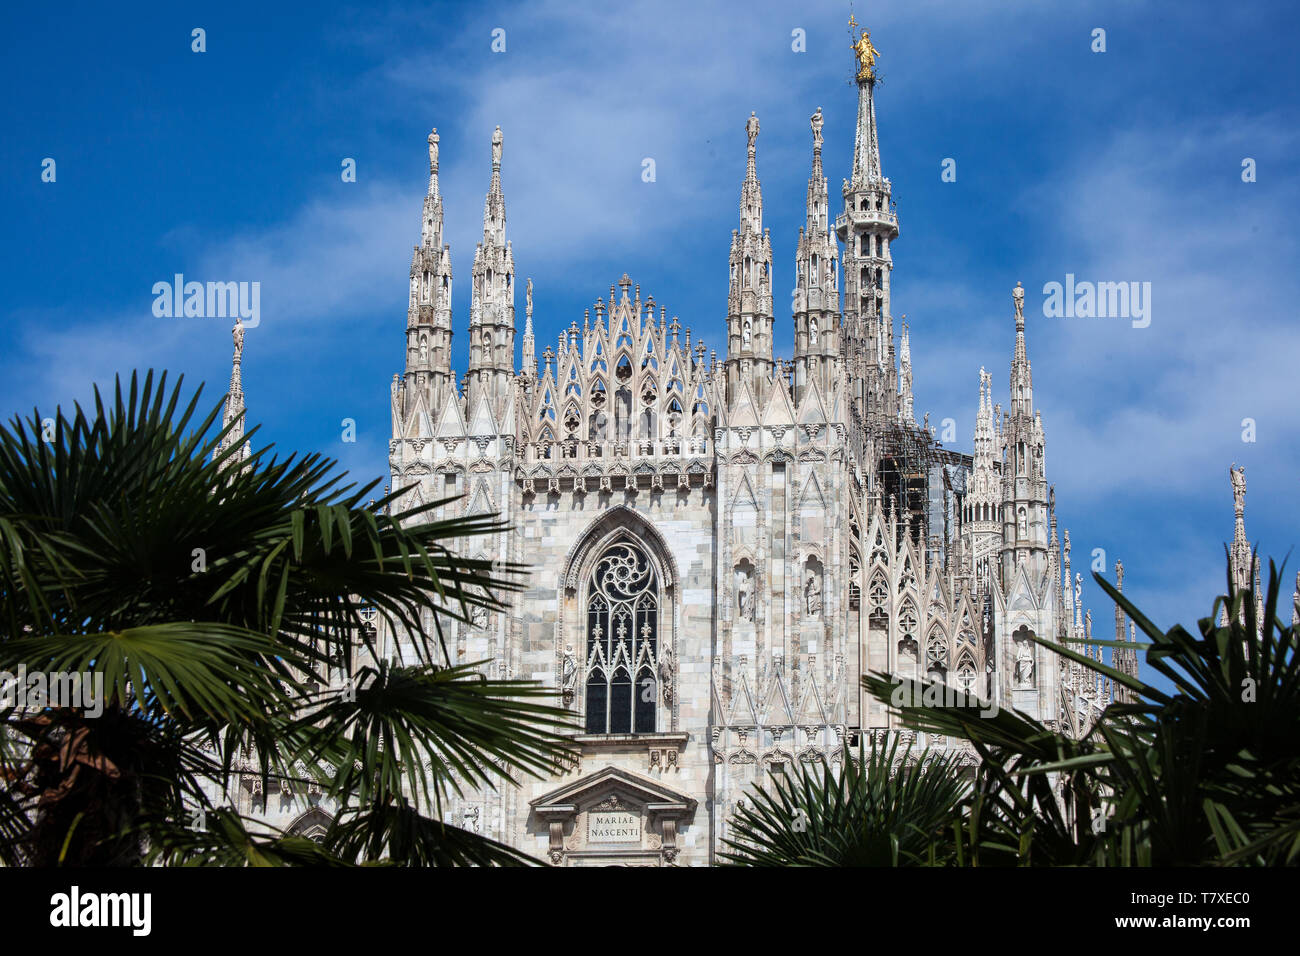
(745, 335)
(751, 129)
(433, 150)
(1078, 590)
(238, 334)
(496, 148)
(812, 330)
(666, 675)
(528, 297)
(1018, 294)
(816, 123)
(478, 616)
(744, 597)
(1238, 476)
(1024, 663)
(813, 592)
(568, 671)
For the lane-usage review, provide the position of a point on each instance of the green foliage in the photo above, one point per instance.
(1207, 774)
(877, 809)
(215, 596)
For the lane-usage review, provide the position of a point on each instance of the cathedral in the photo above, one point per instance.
(721, 546)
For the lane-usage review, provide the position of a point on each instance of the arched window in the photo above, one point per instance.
(622, 641)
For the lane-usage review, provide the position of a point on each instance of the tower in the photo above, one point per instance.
(749, 291)
(492, 301)
(867, 227)
(1024, 478)
(817, 291)
(428, 322)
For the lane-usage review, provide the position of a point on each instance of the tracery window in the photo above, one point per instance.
(622, 641)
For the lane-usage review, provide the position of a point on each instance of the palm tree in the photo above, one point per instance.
(218, 596)
(1205, 774)
(880, 809)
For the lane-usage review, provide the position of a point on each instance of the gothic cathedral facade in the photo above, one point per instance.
(721, 547)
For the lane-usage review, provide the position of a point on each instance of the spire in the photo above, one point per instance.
(234, 411)
(749, 297)
(428, 314)
(866, 144)
(1123, 658)
(1022, 379)
(868, 227)
(817, 292)
(905, 412)
(530, 348)
(492, 299)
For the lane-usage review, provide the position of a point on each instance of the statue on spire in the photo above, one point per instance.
(866, 52)
(1018, 296)
(496, 148)
(1238, 476)
(816, 123)
(751, 129)
(433, 150)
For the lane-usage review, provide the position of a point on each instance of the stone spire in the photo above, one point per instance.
(492, 301)
(1123, 658)
(905, 412)
(980, 518)
(1025, 511)
(428, 313)
(867, 227)
(817, 291)
(233, 416)
(749, 296)
(530, 347)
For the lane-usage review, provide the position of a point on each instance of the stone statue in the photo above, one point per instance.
(744, 597)
(1078, 590)
(813, 592)
(745, 335)
(816, 123)
(666, 676)
(238, 334)
(568, 671)
(1238, 476)
(478, 616)
(751, 129)
(528, 297)
(1024, 663)
(496, 149)
(433, 150)
(1018, 294)
(812, 330)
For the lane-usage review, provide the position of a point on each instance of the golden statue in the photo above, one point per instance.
(866, 52)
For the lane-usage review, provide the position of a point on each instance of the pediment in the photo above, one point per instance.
(614, 782)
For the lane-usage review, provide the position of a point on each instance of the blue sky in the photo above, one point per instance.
(1115, 166)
